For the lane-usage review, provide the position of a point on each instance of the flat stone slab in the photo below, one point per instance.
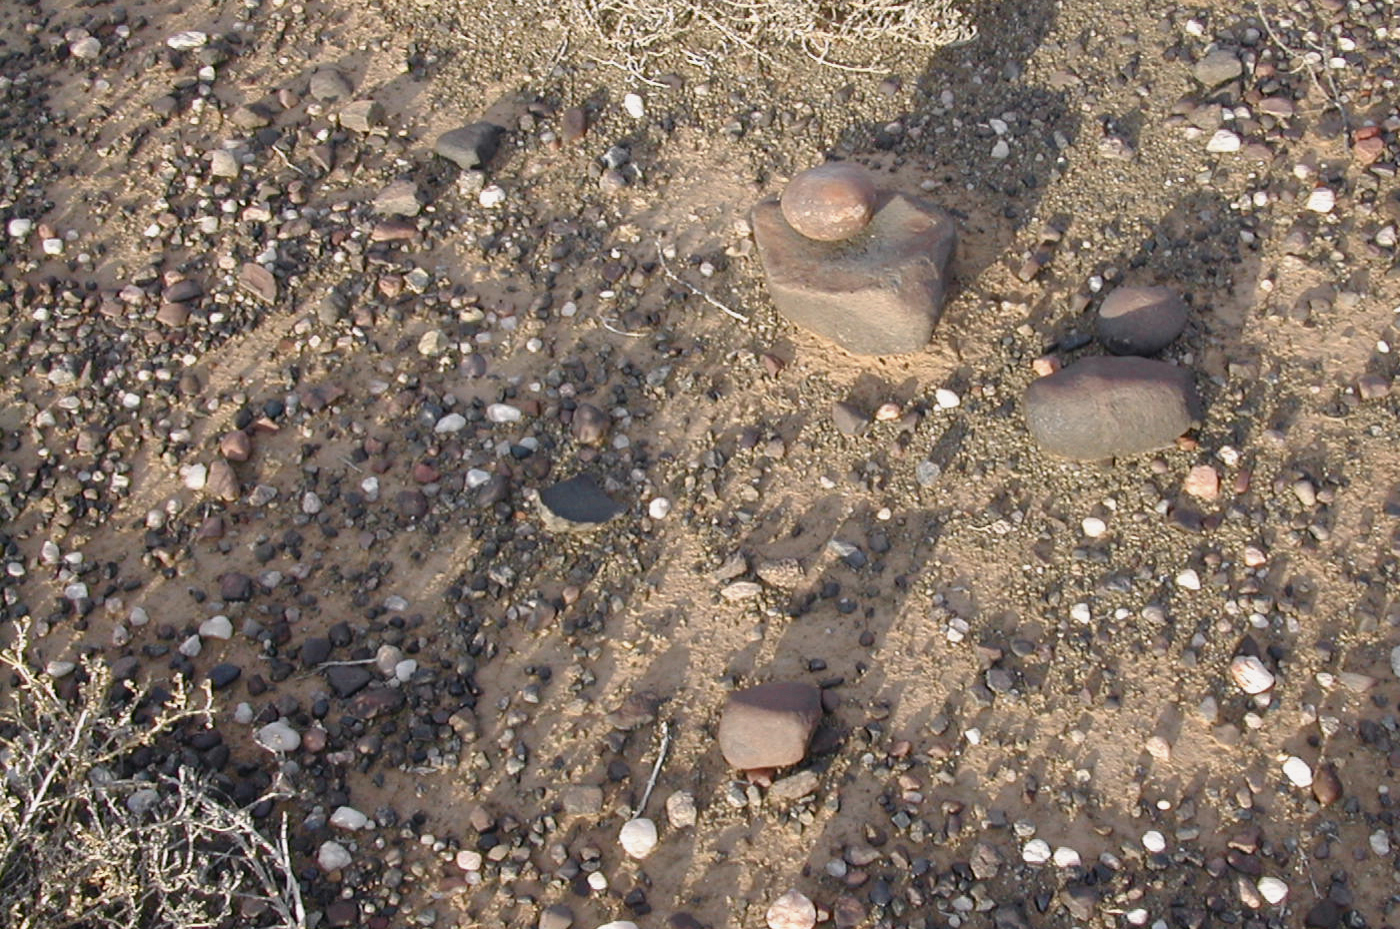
(879, 292)
(1110, 407)
(768, 726)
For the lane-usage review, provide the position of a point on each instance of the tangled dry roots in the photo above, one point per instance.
(89, 840)
(847, 34)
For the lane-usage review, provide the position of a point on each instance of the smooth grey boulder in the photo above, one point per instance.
(1140, 320)
(769, 726)
(1109, 407)
(879, 292)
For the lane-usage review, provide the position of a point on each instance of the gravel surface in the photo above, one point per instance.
(408, 373)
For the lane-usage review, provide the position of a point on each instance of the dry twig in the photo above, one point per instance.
(671, 275)
(850, 35)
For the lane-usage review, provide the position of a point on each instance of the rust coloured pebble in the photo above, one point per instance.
(1327, 785)
(236, 445)
(830, 202)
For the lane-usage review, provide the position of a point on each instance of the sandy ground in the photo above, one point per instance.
(648, 302)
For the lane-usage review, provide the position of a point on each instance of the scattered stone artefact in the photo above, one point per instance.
(830, 202)
(1140, 320)
(1327, 785)
(1251, 674)
(557, 916)
(879, 290)
(1108, 407)
(1298, 771)
(332, 856)
(362, 115)
(236, 445)
(222, 482)
(768, 726)
(1217, 66)
(589, 424)
(793, 910)
(573, 124)
(581, 799)
(400, 198)
(638, 837)
(329, 85)
(680, 809)
(258, 281)
(471, 146)
(1035, 260)
(278, 737)
(576, 505)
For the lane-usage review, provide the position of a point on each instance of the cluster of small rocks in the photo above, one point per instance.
(1107, 407)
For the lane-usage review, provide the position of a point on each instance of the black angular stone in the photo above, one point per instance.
(314, 651)
(577, 504)
(348, 680)
(235, 587)
(222, 675)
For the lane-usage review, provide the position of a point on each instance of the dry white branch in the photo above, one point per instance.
(672, 276)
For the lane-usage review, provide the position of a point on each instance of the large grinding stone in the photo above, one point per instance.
(879, 292)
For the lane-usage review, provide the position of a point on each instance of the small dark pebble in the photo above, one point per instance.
(222, 675)
(314, 651)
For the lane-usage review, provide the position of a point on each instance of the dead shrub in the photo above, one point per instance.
(847, 34)
(89, 839)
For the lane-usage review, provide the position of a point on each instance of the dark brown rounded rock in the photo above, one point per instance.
(1327, 786)
(768, 726)
(1109, 407)
(182, 291)
(342, 913)
(1141, 320)
(235, 587)
(412, 503)
(829, 202)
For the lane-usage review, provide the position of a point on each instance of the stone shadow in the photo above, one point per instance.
(976, 139)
